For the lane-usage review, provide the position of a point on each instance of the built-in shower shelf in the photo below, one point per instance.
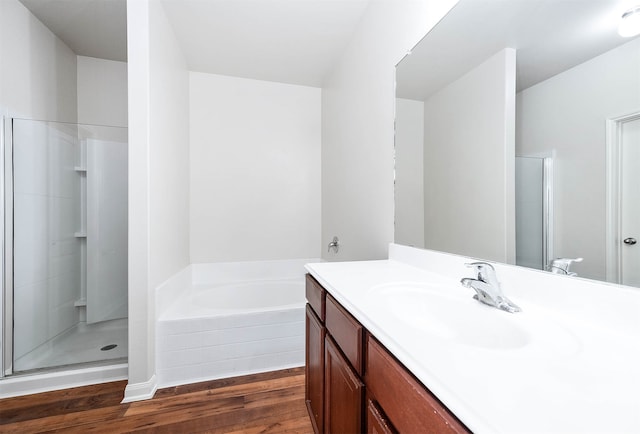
(80, 303)
(80, 235)
(80, 169)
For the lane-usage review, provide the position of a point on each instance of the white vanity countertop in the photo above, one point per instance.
(574, 374)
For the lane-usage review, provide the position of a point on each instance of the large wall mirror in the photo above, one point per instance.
(518, 137)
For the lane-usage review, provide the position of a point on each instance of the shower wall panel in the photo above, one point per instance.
(106, 230)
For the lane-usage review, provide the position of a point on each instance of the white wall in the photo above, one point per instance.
(255, 169)
(38, 81)
(567, 113)
(158, 178)
(102, 92)
(37, 70)
(469, 163)
(409, 173)
(358, 99)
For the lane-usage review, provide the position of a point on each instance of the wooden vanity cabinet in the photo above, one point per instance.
(334, 389)
(401, 400)
(377, 423)
(314, 353)
(354, 384)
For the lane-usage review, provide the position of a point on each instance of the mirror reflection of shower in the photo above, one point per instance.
(66, 205)
(534, 211)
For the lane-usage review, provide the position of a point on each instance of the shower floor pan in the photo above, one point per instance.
(82, 343)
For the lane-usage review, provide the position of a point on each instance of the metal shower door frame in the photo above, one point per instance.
(6, 191)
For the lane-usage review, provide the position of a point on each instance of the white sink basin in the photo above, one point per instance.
(454, 316)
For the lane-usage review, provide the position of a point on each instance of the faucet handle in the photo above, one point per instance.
(561, 265)
(487, 287)
(483, 270)
(478, 265)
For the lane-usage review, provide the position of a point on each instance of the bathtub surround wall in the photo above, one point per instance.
(159, 119)
(158, 178)
(358, 100)
(582, 99)
(255, 169)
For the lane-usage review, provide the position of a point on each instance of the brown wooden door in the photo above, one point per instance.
(343, 393)
(314, 382)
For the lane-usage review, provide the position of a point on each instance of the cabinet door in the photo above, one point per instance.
(377, 423)
(343, 393)
(314, 369)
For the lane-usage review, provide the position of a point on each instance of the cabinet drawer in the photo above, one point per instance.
(408, 405)
(346, 331)
(315, 296)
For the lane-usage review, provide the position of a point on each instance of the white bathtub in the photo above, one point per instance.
(230, 319)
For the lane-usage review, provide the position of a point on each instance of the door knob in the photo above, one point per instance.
(629, 241)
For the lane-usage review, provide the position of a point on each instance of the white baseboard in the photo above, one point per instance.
(27, 384)
(140, 391)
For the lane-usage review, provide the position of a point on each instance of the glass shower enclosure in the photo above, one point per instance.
(65, 245)
(534, 211)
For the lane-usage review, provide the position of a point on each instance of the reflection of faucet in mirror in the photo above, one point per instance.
(487, 287)
(561, 266)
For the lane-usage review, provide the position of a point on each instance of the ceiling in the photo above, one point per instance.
(93, 28)
(550, 36)
(299, 41)
(289, 41)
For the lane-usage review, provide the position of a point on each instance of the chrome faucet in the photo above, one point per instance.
(561, 266)
(487, 287)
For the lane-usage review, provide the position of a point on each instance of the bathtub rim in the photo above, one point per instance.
(184, 309)
(177, 285)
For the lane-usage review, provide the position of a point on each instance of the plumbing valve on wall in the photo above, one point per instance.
(334, 244)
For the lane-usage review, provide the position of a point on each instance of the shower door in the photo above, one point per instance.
(55, 230)
(534, 222)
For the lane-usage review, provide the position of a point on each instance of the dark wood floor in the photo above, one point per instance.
(272, 402)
